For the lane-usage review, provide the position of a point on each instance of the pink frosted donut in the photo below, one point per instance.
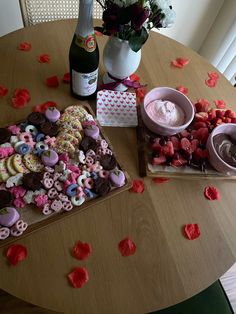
(103, 174)
(88, 183)
(26, 137)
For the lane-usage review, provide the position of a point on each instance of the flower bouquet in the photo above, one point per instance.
(132, 20)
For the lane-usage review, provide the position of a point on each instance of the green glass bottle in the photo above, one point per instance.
(84, 55)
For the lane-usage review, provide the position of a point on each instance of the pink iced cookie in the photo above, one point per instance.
(117, 178)
(8, 216)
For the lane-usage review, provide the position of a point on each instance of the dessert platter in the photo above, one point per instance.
(179, 139)
(52, 165)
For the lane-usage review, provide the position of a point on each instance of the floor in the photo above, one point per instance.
(12, 305)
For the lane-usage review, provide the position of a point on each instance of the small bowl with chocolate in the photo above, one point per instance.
(166, 111)
(221, 146)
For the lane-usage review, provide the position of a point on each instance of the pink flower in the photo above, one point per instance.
(14, 129)
(18, 191)
(50, 141)
(19, 202)
(41, 200)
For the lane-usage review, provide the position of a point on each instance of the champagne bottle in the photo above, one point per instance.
(84, 55)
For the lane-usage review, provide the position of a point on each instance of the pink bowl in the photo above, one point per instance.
(214, 159)
(171, 94)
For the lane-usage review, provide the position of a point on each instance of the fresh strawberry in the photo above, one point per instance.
(220, 113)
(178, 162)
(184, 133)
(155, 146)
(201, 116)
(218, 121)
(202, 135)
(159, 160)
(168, 149)
(230, 114)
(227, 120)
(198, 125)
(175, 142)
(202, 106)
(200, 154)
(194, 133)
(186, 145)
(194, 144)
(233, 120)
(211, 114)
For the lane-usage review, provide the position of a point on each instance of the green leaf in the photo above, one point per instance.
(137, 39)
(3, 211)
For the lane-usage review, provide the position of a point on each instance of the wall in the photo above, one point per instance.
(194, 19)
(10, 16)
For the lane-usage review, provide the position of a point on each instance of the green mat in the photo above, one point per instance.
(213, 300)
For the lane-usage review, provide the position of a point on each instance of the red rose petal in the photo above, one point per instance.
(66, 78)
(82, 250)
(160, 180)
(140, 94)
(19, 102)
(183, 61)
(176, 64)
(37, 108)
(138, 186)
(211, 193)
(45, 58)
(52, 81)
(183, 90)
(16, 253)
(134, 77)
(220, 104)
(211, 82)
(213, 75)
(191, 231)
(24, 92)
(25, 46)
(3, 91)
(78, 277)
(127, 247)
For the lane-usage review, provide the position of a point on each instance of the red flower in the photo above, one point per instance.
(220, 104)
(16, 253)
(191, 231)
(159, 180)
(66, 78)
(78, 277)
(44, 58)
(138, 186)
(140, 94)
(82, 250)
(211, 193)
(3, 91)
(52, 81)
(182, 89)
(37, 108)
(25, 46)
(127, 247)
(180, 62)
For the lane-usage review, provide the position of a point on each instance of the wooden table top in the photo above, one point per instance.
(167, 268)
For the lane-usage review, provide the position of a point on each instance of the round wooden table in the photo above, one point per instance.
(167, 268)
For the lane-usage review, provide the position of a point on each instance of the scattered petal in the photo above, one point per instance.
(220, 104)
(211, 82)
(3, 91)
(78, 277)
(45, 58)
(176, 64)
(16, 253)
(211, 193)
(19, 102)
(191, 231)
(140, 94)
(134, 77)
(127, 247)
(25, 46)
(183, 90)
(138, 186)
(213, 75)
(24, 92)
(52, 81)
(82, 250)
(66, 78)
(180, 62)
(160, 180)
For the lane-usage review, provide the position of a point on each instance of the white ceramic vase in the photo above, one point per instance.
(120, 61)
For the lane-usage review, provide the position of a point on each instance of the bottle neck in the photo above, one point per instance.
(85, 22)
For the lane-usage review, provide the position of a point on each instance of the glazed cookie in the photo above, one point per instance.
(33, 163)
(4, 174)
(64, 136)
(64, 147)
(10, 167)
(76, 111)
(18, 164)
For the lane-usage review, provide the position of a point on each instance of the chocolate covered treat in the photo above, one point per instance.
(32, 181)
(108, 162)
(5, 135)
(225, 147)
(36, 118)
(88, 143)
(49, 128)
(5, 198)
(101, 186)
